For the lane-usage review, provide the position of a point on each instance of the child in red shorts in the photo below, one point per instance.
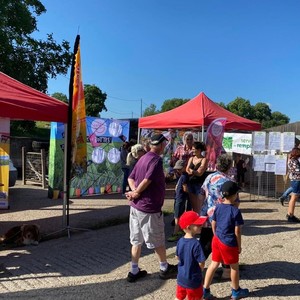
(226, 244)
(191, 258)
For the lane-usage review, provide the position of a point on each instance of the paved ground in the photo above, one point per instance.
(93, 264)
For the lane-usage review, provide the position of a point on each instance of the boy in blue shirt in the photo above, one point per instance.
(226, 244)
(191, 258)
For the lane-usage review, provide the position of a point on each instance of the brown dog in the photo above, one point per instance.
(26, 234)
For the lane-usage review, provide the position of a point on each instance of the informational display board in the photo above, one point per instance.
(104, 173)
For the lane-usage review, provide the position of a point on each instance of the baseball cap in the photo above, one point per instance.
(191, 218)
(179, 164)
(229, 188)
(156, 139)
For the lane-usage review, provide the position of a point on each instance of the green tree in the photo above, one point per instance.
(223, 105)
(150, 110)
(277, 119)
(60, 96)
(94, 100)
(241, 107)
(262, 112)
(172, 103)
(24, 58)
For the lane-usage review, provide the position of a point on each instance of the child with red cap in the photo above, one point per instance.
(191, 258)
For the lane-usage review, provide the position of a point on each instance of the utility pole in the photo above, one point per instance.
(141, 107)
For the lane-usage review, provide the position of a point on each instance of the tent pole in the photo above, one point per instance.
(139, 135)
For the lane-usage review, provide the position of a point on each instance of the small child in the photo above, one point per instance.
(181, 199)
(226, 244)
(191, 258)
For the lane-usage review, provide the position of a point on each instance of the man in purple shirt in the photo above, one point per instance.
(146, 222)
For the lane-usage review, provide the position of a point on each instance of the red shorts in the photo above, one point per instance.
(223, 253)
(192, 294)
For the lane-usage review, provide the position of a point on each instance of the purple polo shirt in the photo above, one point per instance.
(149, 166)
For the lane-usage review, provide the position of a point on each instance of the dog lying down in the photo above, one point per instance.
(26, 234)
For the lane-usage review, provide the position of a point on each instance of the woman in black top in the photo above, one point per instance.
(195, 168)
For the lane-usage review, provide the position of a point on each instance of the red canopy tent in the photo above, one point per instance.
(198, 112)
(21, 102)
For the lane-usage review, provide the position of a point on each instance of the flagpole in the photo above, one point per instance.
(68, 150)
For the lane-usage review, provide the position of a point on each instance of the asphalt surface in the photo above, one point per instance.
(94, 264)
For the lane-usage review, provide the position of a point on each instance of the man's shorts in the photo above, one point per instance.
(191, 294)
(223, 253)
(148, 228)
(295, 185)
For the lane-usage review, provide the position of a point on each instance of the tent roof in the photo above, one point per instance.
(21, 102)
(199, 111)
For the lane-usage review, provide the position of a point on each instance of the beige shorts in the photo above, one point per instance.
(148, 228)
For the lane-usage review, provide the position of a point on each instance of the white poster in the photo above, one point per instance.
(259, 141)
(269, 159)
(270, 167)
(274, 141)
(258, 162)
(288, 141)
(280, 165)
(237, 142)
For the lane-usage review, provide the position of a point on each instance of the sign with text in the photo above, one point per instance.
(237, 142)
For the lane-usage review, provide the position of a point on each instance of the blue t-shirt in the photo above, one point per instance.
(190, 254)
(227, 216)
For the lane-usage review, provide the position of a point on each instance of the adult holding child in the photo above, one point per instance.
(196, 168)
(146, 221)
(294, 176)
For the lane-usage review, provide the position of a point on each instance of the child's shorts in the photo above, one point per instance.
(191, 294)
(223, 253)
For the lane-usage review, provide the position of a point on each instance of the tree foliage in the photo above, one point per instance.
(260, 112)
(60, 96)
(94, 100)
(172, 103)
(24, 58)
(241, 107)
(150, 110)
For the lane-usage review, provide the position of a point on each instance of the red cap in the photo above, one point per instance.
(191, 218)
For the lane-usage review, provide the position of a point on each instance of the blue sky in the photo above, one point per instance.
(143, 52)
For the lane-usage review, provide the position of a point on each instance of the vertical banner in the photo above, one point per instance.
(214, 138)
(78, 140)
(4, 162)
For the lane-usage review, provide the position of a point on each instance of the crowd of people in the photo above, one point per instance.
(207, 218)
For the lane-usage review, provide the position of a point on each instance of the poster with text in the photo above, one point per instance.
(237, 142)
